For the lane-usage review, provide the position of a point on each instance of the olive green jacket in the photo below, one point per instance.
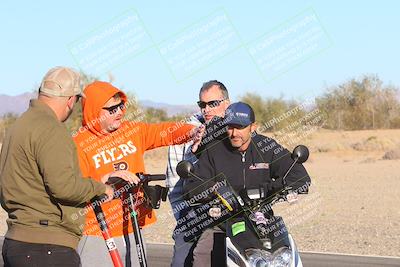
(41, 186)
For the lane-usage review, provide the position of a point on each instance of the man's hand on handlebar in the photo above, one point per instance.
(110, 193)
(125, 175)
(117, 180)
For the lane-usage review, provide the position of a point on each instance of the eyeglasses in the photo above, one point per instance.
(211, 104)
(114, 109)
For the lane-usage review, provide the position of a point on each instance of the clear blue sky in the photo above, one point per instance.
(365, 39)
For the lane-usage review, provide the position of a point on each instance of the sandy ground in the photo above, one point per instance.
(353, 205)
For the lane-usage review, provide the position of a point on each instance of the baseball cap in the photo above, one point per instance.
(61, 81)
(239, 113)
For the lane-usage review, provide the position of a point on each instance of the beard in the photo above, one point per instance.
(236, 142)
(114, 126)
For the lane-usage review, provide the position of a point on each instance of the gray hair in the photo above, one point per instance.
(207, 85)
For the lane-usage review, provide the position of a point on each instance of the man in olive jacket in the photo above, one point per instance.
(41, 186)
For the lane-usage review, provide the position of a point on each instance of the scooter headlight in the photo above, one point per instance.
(258, 258)
(261, 258)
(282, 258)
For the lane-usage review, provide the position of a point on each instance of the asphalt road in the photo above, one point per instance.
(159, 255)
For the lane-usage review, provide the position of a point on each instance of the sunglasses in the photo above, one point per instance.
(114, 109)
(211, 104)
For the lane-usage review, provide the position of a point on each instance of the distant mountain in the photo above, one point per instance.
(170, 109)
(19, 104)
(15, 104)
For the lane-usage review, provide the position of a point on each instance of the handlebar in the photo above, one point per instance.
(117, 183)
(151, 177)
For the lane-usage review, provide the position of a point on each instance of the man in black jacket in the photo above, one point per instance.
(246, 160)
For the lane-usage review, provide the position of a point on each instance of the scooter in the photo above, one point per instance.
(250, 236)
(153, 196)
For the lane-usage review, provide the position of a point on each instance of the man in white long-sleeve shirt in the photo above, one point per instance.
(214, 100)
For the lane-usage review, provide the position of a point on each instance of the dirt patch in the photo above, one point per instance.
(373, 143)
(392, 154)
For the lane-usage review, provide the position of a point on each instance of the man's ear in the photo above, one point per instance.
(71, 102)
(253, 127)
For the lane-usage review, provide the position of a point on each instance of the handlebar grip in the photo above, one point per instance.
(102, 198)
(113, 180)
(151, 177)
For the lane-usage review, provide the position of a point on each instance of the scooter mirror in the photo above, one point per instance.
(300, 153)
(184, 169)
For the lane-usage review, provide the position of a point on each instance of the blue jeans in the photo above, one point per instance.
(182, 250)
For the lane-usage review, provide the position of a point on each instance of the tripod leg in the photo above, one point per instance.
(137, 234)
(110, 243)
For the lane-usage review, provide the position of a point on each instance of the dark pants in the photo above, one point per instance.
(183, 251)
(19, 254)
(202, 253)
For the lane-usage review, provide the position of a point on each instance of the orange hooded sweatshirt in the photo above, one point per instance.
(122, 149)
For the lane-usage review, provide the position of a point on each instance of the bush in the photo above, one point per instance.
(359, 105)
(274, 113)
(6, 121)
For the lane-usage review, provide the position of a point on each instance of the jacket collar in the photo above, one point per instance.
(39, 105)
(252, 151)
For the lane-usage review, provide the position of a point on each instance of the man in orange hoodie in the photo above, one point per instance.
(106, 142)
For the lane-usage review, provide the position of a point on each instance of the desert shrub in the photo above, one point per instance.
(361, 104)
(6, 121)
(274, 113)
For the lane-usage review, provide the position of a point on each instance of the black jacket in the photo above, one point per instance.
(264, 162)
(216, 130)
